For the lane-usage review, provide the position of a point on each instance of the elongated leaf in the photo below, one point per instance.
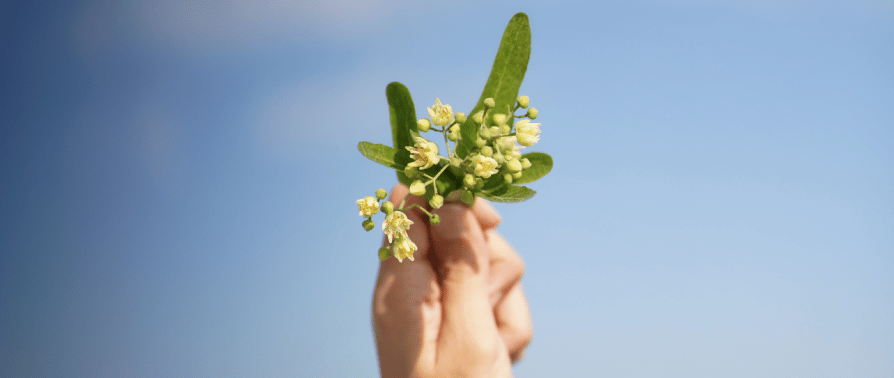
(541, 164)
(403, 122)
(509, 193)
(505, 77)
(379, 153)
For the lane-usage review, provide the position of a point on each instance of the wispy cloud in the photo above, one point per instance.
(205, 24)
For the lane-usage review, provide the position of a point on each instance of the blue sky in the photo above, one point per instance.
(179, 183)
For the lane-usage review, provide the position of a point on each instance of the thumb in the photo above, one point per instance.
(460, 254)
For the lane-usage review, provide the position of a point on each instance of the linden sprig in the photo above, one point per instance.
(482, 159)
(395, 225)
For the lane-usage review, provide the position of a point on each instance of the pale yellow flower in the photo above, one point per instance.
(396, 224)
(441, 115)
(527, 133)
(425, 154)
(368, 206)
(404, 248)
(506, 145)
(484, 166)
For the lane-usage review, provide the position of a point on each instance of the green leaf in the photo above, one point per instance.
(505, 77)
(494, 183)
(403, 123)
(379, 153)
(541, 164)
(508, 193)
(403, 178)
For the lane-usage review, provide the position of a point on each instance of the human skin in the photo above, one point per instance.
(458, 310)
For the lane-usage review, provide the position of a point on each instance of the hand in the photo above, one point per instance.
(459, 308)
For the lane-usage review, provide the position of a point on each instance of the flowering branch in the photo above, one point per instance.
(485, 160)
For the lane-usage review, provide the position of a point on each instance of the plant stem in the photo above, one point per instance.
(416, 205)
(447, 141)
(433, 179)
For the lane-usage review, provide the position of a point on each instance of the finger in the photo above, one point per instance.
(487, 216)
(506, 266)
(461, 256)
(406, 305)
(514, 322)
(510, 308)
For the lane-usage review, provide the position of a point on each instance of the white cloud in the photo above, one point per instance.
(206, 24)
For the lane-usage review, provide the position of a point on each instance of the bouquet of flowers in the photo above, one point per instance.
(483, 148)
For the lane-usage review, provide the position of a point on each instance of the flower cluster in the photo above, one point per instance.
(395, 226)
(495, 151)
(494, 156)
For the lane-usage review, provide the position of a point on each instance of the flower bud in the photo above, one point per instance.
(487, 151)
(460, 117)
(384, 253)
(489, 102)
(456, 162)
(494, 131)
(368, 225)
(523, 101)
(484, 132)
(381, 194)
(434, 219)
(417, 188)
(479, 182)
(411, 172)
(423, 125)
(517, 175)
(387, 207)
(499, 158)
(526, 163)
(505, 129)
(468, 198)
(480, 142)
(532, 113)
(500, 119)
(453, 133)
(515, 153)
(436, 201)
(469, 181)
(513, 165)
(478, 117)
(507, 178)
